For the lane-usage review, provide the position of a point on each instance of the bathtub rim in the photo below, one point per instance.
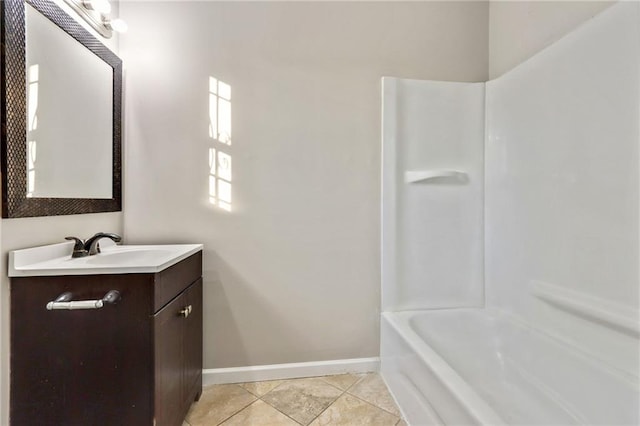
(402, 323)
(469, 400)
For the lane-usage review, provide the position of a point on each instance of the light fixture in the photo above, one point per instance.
(100, 6)
(117, 25)
(97, 13)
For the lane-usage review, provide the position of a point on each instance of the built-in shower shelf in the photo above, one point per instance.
(415, 176)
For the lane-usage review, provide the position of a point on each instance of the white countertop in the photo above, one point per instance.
(55, 259)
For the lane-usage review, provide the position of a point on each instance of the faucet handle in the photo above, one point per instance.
(79, 243)
(78, 247)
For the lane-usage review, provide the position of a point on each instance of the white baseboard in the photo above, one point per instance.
(255, 373)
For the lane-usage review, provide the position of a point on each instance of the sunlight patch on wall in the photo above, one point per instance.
(220, 134)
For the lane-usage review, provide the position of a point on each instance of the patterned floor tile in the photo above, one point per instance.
(351, 411)
(260, 414)
(218, 403)
(373, 390)
(261, 388)
(342, 381)
(302, 399)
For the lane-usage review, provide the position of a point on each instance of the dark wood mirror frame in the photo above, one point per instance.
(13, 115)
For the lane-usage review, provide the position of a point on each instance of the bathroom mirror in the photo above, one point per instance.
(61, 94)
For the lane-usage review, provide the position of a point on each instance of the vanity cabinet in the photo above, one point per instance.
(135, 362)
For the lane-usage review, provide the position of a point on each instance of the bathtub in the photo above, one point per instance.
(478, 366)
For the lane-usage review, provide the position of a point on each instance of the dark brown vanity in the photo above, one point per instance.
(134, 362)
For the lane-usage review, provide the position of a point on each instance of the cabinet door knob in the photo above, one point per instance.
(186, 311)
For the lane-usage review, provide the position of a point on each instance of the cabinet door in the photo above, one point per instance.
(81, 367)
(169, 325)
(178, 356)
(193, 344)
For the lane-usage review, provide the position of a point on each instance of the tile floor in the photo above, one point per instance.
(346, 399)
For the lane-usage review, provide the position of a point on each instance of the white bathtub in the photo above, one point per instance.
(475, 366)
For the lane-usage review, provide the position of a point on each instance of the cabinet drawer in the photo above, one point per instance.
(172, 281)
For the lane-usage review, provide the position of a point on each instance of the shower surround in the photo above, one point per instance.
(511, 237)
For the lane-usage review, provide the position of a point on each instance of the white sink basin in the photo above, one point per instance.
(130, 256)
(56, 259)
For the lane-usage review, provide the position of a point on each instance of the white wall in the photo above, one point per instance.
(29, 232)
(292, 272)
(562, 188)
(519, 29)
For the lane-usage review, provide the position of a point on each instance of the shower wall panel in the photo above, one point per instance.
(562, 188)
(432, 231)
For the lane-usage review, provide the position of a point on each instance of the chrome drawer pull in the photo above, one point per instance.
(64, 301)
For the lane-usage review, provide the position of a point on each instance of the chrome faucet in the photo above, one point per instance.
(91, 246)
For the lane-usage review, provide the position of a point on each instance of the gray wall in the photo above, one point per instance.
(292, 272)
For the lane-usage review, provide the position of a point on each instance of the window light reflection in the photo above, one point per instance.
(34, 74)
(32, 125)
(220, 174)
